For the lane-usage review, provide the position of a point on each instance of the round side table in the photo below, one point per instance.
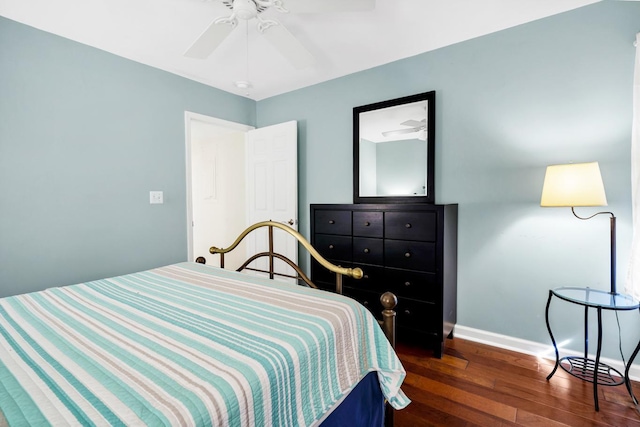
(582, 367)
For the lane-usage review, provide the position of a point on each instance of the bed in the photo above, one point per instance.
(197, 345)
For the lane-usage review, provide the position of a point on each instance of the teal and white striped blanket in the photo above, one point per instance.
(186, 345)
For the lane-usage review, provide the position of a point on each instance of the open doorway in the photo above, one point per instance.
(216, 195)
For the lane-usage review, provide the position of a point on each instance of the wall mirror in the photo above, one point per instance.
(393, 150)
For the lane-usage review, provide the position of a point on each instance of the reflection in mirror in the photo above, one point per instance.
(389, 138)
(393, 150)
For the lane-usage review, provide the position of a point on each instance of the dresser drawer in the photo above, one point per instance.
(368, 251)
(412, 284)
(419, 226)
(332, 222)
(334, 247)
(373, 279)
(368, 224)
(371, 300)
(413, 314)
(410, 255)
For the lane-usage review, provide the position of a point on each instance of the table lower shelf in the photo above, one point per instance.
(585, 369)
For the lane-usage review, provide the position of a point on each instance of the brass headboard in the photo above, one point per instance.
(356, 273)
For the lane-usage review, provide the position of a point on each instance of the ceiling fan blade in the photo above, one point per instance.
(414, 123)
(288, 45)
(401, 131)
(209, 40)
(320, 6)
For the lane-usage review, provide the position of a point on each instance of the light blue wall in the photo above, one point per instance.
(84, 136)
(508, 104)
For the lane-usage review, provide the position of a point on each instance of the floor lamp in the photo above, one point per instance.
(579, 184)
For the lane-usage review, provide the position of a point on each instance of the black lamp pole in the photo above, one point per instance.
(612, 222)
(613, 253)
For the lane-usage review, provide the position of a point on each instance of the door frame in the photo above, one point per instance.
(190, 117)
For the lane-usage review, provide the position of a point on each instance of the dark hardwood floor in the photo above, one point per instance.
(479, 385)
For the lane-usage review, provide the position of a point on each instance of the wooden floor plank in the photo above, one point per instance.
(478, 385)
(441, 365)
(534, 420)
(462, 411)
(565, 411)
(457, 394)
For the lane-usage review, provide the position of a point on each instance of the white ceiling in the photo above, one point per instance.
(157, 32)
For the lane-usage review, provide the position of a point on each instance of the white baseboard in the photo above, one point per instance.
(533, 348)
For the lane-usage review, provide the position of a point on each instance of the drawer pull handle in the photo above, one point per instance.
(330, 246)
(366, 250)
(407, 283)
(407, 255)
(367, 223)
(366, 276)
(366, 303)
(407, 225)
(331, 221)
(407, 312)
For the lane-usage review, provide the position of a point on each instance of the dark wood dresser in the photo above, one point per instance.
(408, 249)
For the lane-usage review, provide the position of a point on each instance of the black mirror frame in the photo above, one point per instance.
(430, 97)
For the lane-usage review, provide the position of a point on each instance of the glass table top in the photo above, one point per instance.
(597, 298)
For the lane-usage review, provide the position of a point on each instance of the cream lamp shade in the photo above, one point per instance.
(575, 184)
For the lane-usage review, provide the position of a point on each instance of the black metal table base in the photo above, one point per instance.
(588, 369)
(585, 369)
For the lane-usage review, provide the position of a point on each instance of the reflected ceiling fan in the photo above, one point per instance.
(414, 126)
(275, 33)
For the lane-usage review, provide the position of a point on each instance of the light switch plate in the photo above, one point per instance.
(156, 197)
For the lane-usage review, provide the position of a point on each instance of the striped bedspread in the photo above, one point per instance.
(186, 345)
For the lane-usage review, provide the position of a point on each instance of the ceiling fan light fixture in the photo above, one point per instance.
(276, 34)
(245, 9)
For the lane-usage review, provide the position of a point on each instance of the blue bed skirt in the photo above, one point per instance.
(364, 406)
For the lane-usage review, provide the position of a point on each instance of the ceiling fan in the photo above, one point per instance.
(414, 126)
(275, 33)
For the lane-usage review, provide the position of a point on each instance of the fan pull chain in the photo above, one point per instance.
(247, 58)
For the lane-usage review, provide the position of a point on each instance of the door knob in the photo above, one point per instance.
(290, 222)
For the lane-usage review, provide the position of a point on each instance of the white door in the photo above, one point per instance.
(272, 189)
